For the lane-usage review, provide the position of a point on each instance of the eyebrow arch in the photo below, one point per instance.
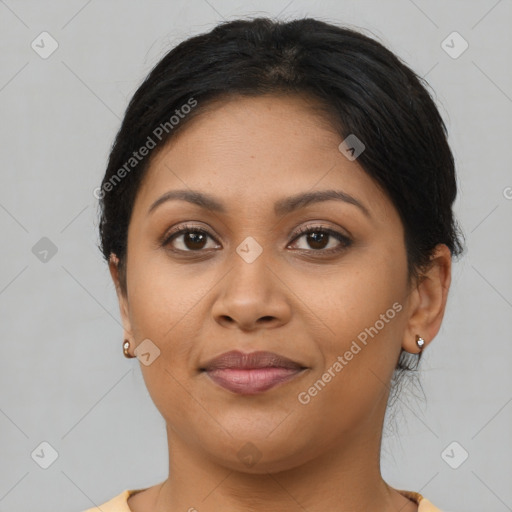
(295, 202)
(281, 207)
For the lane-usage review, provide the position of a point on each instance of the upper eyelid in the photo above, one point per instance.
(297, 233)
(180, 229)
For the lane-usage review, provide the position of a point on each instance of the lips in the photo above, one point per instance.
(251, 373)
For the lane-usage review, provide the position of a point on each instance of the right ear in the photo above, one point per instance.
(113, 265)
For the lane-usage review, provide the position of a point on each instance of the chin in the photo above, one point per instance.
(248, 452)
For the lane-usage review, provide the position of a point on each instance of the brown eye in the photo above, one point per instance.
(316, 239)
(189, 239)
(194, 241)
(320, 239)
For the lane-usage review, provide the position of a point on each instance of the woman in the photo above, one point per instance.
(277, 219)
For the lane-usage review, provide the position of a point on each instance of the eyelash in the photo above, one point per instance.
(183, 229)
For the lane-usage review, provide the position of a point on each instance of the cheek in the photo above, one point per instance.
(357, 296)
(161, 296)
(163, 307)
(362, 320)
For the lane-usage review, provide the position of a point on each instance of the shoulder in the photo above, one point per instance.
(118, 503)
(427, 506)
(424, 505)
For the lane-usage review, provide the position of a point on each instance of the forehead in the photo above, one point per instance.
(253, 150)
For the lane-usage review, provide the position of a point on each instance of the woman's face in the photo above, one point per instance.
(250, 281)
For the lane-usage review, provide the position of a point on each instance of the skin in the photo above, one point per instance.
(323, 455)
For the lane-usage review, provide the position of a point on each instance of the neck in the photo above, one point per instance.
(342, 477)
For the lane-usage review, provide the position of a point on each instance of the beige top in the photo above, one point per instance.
(120, 502)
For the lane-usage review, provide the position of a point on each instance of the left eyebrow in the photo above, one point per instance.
(293, 203)
(281, 207)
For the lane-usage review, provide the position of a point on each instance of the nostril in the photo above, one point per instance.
(266, 319)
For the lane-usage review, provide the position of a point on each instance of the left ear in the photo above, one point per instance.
(428, 300)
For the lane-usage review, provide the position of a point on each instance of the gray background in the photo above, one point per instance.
(63, 377)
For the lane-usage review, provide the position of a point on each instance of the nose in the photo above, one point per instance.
(253, 296)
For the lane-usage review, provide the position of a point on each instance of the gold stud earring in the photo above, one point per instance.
(126, 346)
(420, 342)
